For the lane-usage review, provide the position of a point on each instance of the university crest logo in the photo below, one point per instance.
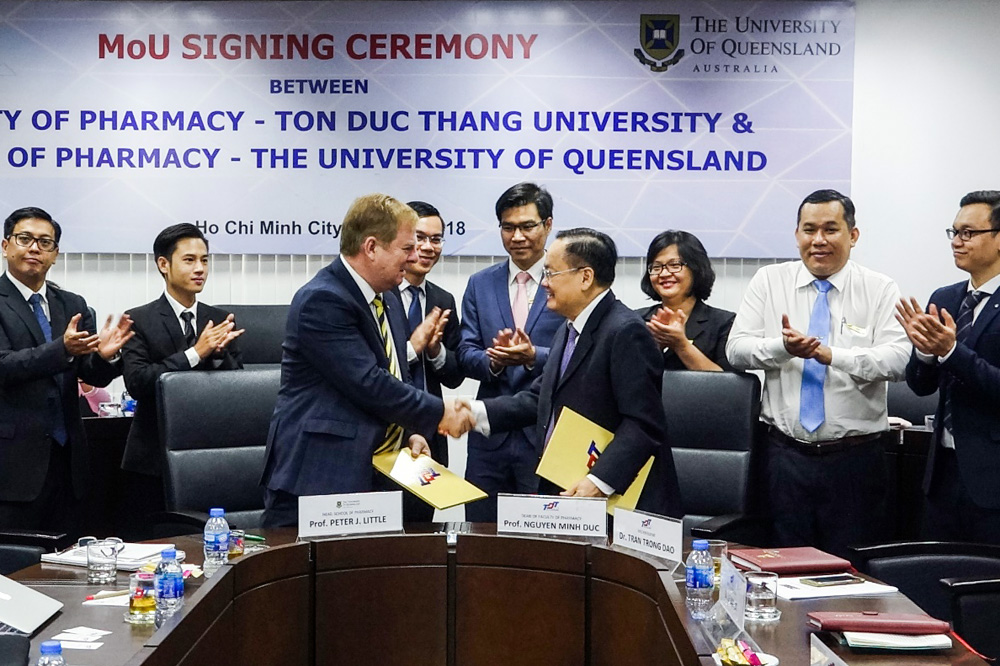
(659, 35)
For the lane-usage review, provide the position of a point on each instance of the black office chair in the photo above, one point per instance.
(917, 569)
(903, 402)
(712, 424)
(213, 428)
(265, 331)
(975, 612)
(14, 557)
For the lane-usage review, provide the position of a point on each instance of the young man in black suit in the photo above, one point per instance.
(47, 341)
(173, 333)
(956, 351)
(432, 324)
(604, 366)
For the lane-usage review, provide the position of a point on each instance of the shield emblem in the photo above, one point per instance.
(659, 34)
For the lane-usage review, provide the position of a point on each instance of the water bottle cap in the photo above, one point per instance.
(700, 544)
(217, 512)
(50, 647)
(169, 553)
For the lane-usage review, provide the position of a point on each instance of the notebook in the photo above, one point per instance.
(23, 608)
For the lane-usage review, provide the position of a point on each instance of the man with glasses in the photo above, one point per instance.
(956, 351)
(605, 367)
(432, 324)
(823, 331)
(506, 334)
(48, 339)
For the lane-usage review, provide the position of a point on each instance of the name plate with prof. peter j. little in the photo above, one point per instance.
(552, 515)
(354, 513)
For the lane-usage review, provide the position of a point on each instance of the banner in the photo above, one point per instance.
(262, 121)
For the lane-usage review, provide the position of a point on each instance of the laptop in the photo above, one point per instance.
(23, 609)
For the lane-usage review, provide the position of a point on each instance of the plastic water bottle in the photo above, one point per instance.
(700, 580)
(216, 541)
(169, 581)
(128, 404)
(51, 654)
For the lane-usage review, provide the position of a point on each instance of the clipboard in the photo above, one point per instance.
(575, 445)
(427, 479)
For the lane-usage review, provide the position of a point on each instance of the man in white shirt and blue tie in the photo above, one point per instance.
(823, 331)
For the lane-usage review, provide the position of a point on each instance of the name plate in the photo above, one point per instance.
(733, 592)
(552, 515)
(354, 513)
(649, 534)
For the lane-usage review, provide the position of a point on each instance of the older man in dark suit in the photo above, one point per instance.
(47, 341)
(605, 366)
(344, 394)
(174, 333)
(956, 349)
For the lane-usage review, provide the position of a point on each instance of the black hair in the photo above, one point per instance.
(692, 253)
(824, 196)
(29, 213)
(166, 241)
(589, 247)
(523, 194)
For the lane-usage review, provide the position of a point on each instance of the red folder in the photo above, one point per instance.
(788, 561)
(873, 621)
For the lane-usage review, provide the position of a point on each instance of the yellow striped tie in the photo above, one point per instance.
(393, 433)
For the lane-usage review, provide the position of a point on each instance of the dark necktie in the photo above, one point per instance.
(58, 419)
(812, 410)
(414, 317)
(189, 337)
(393, 433)
(963, 327)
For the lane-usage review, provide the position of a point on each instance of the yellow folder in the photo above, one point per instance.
(574, 447)
(427, 479)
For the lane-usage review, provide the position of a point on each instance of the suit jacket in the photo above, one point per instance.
(486, 309)
(157, 347)
(449, 374)
(707, 327)
(614, 378)
(337, 395)
(975, 368)
(34, 375)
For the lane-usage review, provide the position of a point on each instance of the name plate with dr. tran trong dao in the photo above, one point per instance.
(650, 534)
(553, 515)
(352, 513)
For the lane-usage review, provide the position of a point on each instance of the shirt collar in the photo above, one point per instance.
(176, 306)
(803, 278)
(26, 291)
(535, 271)
(988, 287)
(581, 319)
(406, 284)
(366, 290)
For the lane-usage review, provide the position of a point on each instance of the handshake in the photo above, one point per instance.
(458, 418)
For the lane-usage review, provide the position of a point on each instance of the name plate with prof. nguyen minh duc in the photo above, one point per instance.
(552, 515)
(353, 513)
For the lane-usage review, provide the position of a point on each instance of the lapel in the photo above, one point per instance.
(585, 342)
(696, 322)
(985, 318)
(537, 307)
(172, 325)
(338, 273)
(394, 314)
(502, 294)
(16, 302)
(58, 317)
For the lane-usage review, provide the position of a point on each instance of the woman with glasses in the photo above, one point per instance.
(679, 277)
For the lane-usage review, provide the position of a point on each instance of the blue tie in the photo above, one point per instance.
(812, 412)
(59, 421)
(963, 327)
(414, 317)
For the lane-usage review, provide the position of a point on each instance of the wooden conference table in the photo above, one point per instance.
(424, 598)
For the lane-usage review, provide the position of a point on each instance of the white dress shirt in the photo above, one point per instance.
(404, 293)
(175, 305)
(868, 347)
(42, 291)
(989, 288)
(369, 294)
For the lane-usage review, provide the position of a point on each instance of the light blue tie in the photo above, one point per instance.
(812, 412)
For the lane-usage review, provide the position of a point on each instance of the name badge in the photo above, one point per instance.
(649, 534)
(354, 513)
(552, 515)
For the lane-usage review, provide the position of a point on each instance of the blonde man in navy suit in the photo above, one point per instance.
(956, 351)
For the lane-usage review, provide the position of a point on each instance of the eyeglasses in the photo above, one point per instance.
(525, 228)
(434, 240)
(548, 275)
(672, 267)
(26, 239)
(967, 234)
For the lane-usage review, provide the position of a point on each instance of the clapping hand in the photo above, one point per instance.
(803, 346)
(668, 328)
(931, 332)
(511, 348)
(427, 336)
(112, 338)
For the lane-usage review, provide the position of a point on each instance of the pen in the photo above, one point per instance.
(748, 652)
(104, 594)
(253, 537)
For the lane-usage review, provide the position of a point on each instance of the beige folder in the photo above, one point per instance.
(427, 479)
(575, 445)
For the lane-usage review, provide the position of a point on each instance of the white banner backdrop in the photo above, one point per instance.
(261, 121)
